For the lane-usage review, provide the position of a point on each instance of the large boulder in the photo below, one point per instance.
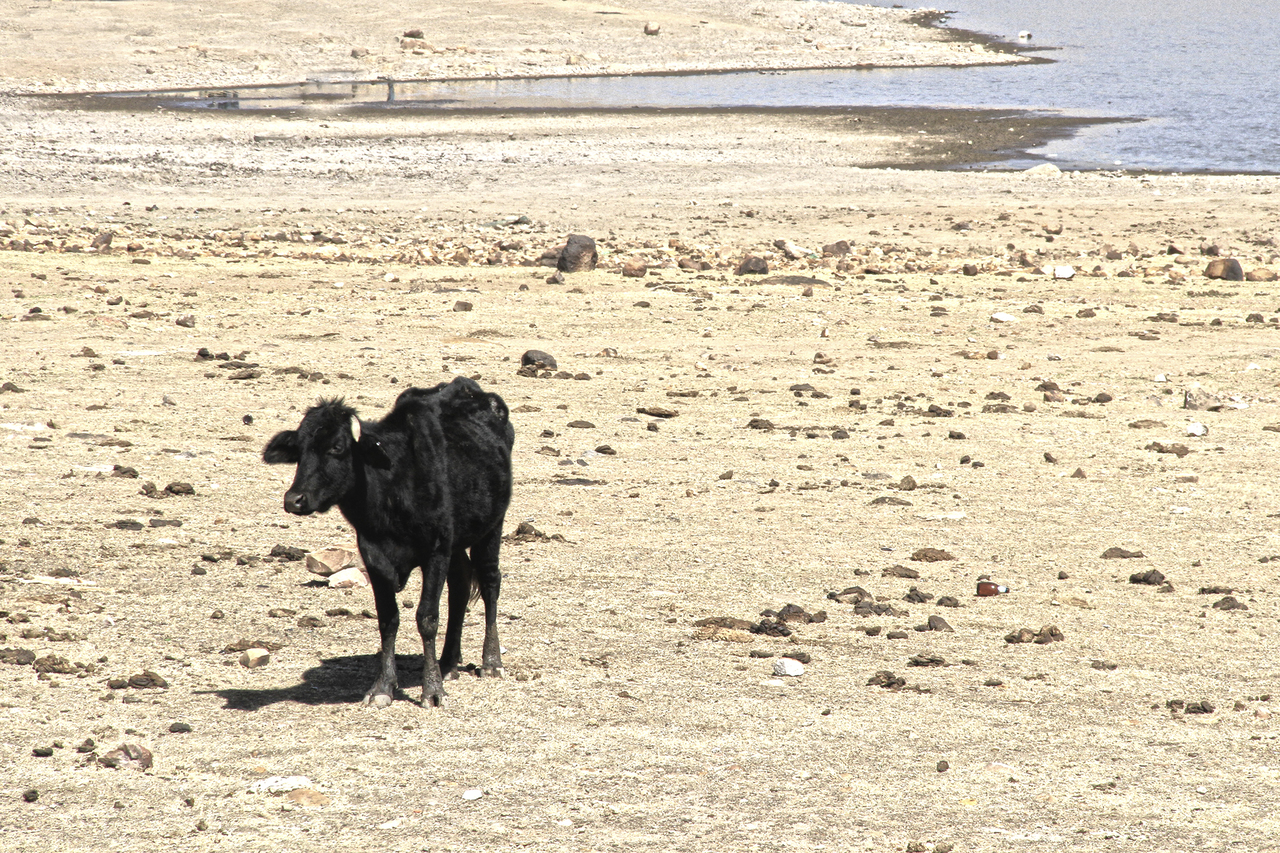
(578, 255)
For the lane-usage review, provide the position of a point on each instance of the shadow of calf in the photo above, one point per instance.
(336, 681)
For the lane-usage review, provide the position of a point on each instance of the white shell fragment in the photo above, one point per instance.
(279, 784)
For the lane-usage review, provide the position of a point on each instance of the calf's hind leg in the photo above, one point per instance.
(484, 562)
(460, 580)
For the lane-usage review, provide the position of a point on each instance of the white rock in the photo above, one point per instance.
(472, 794)
(1197, 429)
(1064, 272)
(788, 667)
(330, 560)
(943, 516)
(254, 658)
(1044, 169)
(794, 252)
(1002, 317)
(1160, 377)
(279, 784)
(346, 578)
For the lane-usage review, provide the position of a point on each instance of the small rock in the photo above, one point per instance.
(180, 728)
(328, 561)
(789, 667)
(578, 255)
(898, 571)
(937, 623)
(886, 679)
(1003, 317)
(461, 306)
(1227, 269)
(1020, 635)
(30, 795)
(1151, 577)
(147, 679)
(652, 29)
(1118, 553)
(254, 658)
(635, 268)
(752, 265)
(308, 798)
(931, 555)
(538, 358)
(186, 321)
(127, 756)
(1048, 634)
(1064, 272)
(1230, 603)
(355, 576)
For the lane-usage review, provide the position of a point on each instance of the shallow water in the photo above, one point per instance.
(1204, 77)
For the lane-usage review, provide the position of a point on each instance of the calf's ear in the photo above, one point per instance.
(282, 449)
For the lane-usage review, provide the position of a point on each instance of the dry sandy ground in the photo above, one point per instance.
(331, 254)
(50, 45)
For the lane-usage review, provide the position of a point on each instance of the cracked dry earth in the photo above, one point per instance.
(771, 469)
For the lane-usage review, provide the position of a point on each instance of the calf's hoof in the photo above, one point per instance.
(492, 672)
(432, 698)
(377, 700)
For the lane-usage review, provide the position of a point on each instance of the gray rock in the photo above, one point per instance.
(537, 357)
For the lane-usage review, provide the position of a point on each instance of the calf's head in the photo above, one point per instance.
(328, 447)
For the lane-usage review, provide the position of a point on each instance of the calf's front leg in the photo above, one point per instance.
(434, 571)
(384, 597)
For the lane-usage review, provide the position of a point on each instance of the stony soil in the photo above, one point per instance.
(330, 257)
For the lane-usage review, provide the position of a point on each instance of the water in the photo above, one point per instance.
(1203, 76)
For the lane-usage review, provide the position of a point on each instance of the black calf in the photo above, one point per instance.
(422, 487)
